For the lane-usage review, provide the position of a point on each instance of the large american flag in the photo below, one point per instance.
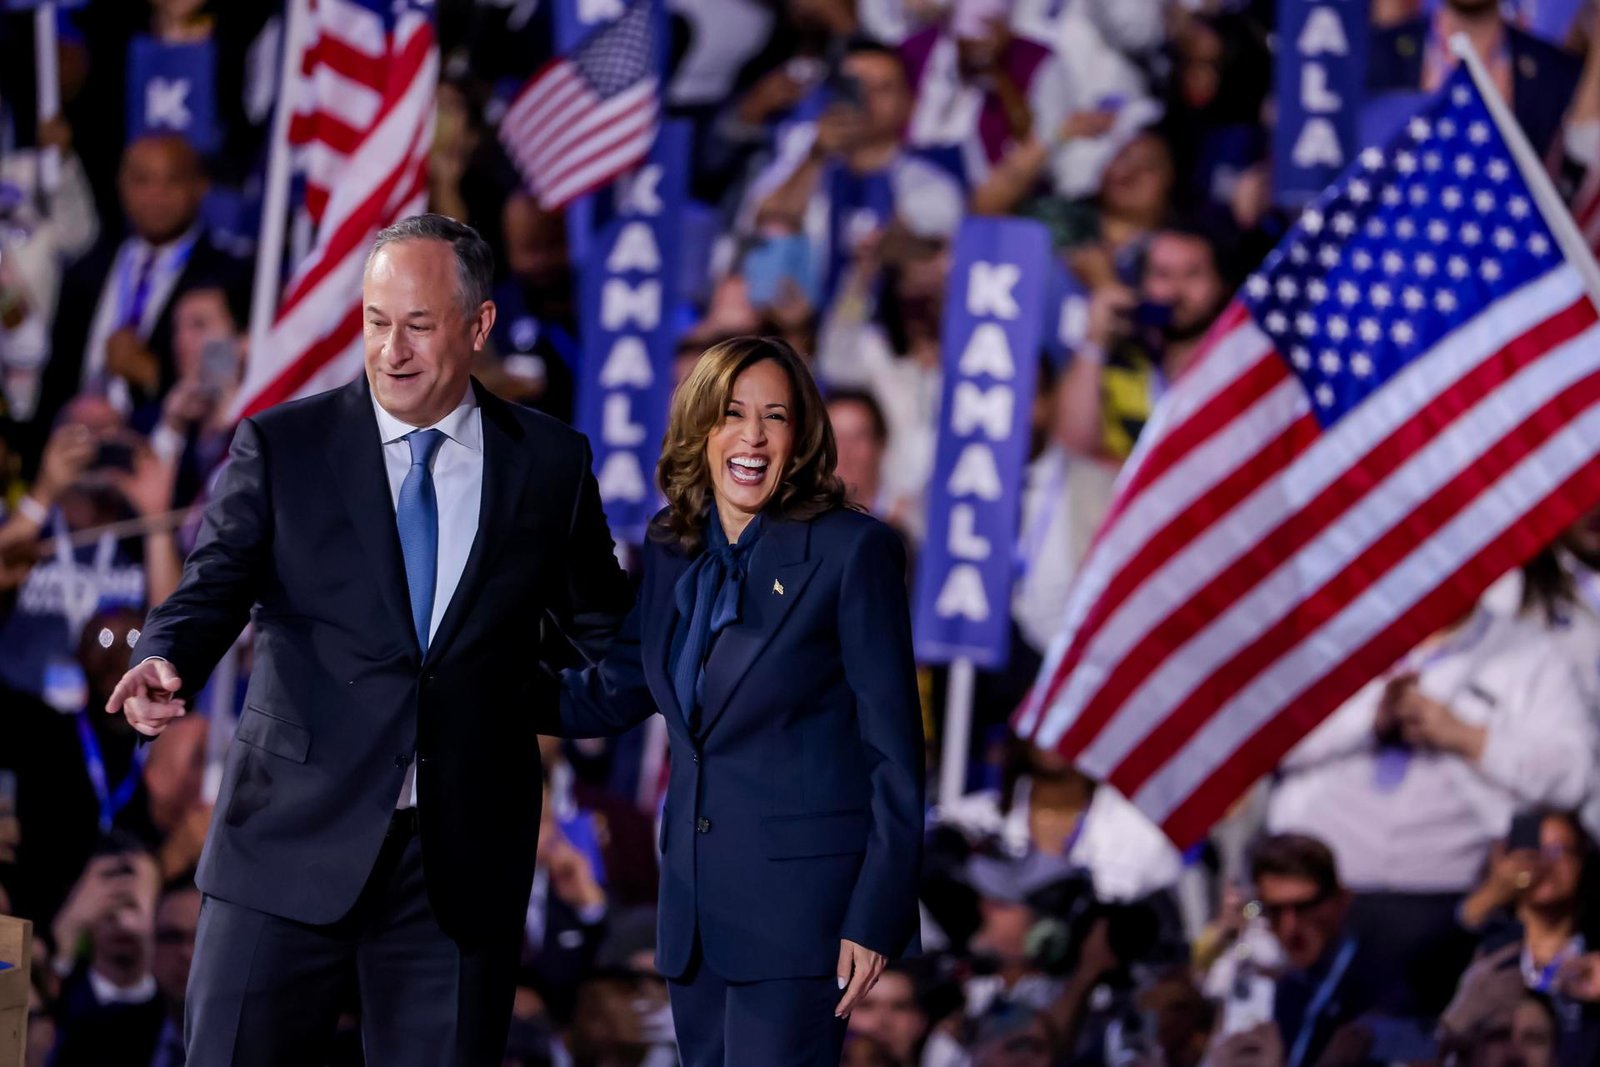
(1402, 404)
(361, 131)
(586, 118)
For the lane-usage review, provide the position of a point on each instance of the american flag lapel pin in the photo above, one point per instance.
(777, 587)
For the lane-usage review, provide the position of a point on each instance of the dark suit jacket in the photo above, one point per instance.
(794, 815)
(300, 535)
(1543, 76)
(81, 287)
(95, 1034)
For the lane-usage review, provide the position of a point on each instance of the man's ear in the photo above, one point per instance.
(486, 316)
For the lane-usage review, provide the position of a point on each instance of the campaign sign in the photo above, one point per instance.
(630, 332)
(1321, 68)
(172, 89)
(994, 333)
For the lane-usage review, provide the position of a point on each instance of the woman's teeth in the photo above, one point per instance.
(747, 471)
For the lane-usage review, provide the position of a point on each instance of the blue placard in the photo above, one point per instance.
(29, 5)
(994, 332)
(1321, 70)
(172, 89)
(630, 332)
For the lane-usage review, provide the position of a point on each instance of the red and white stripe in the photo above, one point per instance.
(1255, 569)
(361, 132)
(567, 140)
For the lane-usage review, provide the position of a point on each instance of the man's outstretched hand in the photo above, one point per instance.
(148, 696)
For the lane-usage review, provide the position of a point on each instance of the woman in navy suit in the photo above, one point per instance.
(772, 632)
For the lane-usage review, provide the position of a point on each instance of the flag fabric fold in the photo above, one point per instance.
(1401, 405)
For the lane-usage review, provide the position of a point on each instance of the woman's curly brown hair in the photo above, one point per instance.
(806, 489)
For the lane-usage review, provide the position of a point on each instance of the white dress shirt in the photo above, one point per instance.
(458, 490)
(116, 300)
(1125, 855)
(1509, 672)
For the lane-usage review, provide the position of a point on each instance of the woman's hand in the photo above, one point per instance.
(859, 968)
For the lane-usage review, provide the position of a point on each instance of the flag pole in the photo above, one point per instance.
(959, 685)
(1555, 212)
(47, 80)
(275, 206)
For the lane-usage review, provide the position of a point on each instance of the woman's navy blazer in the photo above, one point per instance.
(794, 813)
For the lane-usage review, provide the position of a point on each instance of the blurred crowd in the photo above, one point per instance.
(1416, 883)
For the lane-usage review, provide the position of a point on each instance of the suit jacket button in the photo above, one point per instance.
(702, 825)
(695, 757)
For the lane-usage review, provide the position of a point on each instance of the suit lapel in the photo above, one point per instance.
(778, 573)
(356, 455)
(656, 647)
(507, 463)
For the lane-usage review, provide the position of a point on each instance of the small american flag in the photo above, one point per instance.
(361, 131)
(585, 118)
(1403, 404)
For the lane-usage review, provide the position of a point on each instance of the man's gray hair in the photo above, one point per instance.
(474, 260)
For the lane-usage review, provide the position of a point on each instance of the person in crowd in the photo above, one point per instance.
(979, 88)
(1215, 103)
(1065, 497)
(756, 518)
(28, 508)
(891, 1015)
(42, 230)
(1416, 776)
(536, 332)
(778, 78)
(1138, 341)
(862, 434)
(1536, 78)
(1010, 1034)
(856, 179)
(1495, 1019)
(209, 348)
(104, 544)
(174, 782)
(1527, 1037)
(1102, 238)
(566, 911)
(892, 351)
(114, 323)
(77, 775)
(177, 919)
(1105, 48)
(619, 836)
(1540, 901)
(1049, 812)
(1333, 975)
(469, 177)
(111, 1009)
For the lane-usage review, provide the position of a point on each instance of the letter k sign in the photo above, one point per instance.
(166, 103)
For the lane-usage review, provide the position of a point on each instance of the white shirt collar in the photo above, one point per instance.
(107, 992)
(459, 425)
(139, 246)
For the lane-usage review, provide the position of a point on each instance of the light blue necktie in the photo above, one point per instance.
(417, 517)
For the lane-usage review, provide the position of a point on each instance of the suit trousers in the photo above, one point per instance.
(783, 1022)
(265, 991)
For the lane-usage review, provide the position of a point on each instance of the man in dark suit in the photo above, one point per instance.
(397, 542)
(1537, 78)
(113, 329)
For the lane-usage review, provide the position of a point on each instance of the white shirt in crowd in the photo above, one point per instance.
(1124, 854)
(34, 252)
(118, 295)
(1064, 498)
(1429, 829)
(458, 491)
